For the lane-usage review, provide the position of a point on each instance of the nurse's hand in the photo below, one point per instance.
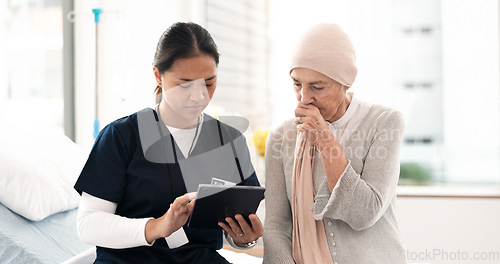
(172, 220)
(241, 231)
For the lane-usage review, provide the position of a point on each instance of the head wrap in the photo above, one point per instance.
(327, 49)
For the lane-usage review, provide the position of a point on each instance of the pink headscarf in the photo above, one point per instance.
(326, 49)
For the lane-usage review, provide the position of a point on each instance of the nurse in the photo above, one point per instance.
(137, 185)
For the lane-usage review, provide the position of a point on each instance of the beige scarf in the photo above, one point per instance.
(309, 238)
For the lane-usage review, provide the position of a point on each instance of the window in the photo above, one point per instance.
(446, 76)
(31, 72)
(240, 30)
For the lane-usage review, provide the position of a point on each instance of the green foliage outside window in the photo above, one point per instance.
(414, 174)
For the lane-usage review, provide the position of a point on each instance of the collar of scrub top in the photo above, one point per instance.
(158, 118)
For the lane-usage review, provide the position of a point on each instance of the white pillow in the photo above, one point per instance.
(37, 173)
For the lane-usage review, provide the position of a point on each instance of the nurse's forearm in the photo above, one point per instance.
(155, 229)
(98, 225)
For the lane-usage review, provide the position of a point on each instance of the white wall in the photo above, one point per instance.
(439, 230)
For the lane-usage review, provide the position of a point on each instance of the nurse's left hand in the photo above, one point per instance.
(241, 231)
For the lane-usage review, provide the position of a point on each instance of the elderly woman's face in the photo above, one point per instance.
(312, 87)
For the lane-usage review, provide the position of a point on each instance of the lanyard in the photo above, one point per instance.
(234, 152)
(172, 141)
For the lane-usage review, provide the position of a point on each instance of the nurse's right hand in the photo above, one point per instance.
(173, 219)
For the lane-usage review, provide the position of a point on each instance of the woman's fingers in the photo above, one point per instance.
(192, 195)
(307, 109)
(253, 231)
(299, 120)
(235, 227)
(190, 207)
(308, 119)
(245, 228)
(257, 226)
(227, 228)
(192, 200)
(183, 204)
(181, 201)
(302, 112)
(242, 231)
(303, 109)
(305, 106)
(308, 114)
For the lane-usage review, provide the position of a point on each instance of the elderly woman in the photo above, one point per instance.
(332, 172)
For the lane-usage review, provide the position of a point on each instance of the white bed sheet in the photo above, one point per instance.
(52, 240)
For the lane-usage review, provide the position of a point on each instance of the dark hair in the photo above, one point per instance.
(183, 40)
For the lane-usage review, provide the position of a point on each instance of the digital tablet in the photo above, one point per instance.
(216, 202)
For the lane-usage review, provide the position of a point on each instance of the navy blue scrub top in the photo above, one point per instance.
(117, 170)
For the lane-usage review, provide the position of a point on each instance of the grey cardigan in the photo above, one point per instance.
(359, 219)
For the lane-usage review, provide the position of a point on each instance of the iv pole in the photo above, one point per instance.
(97, 12)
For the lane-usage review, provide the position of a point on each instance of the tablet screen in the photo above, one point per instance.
(216, 202)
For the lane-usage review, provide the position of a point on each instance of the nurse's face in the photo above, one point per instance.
(188, 87)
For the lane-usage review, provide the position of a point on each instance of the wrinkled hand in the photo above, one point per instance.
(312, 124)
(240, 231)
